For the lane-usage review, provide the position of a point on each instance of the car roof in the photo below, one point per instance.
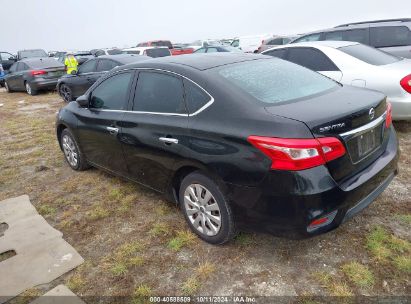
(35, 59)
(124, 57)
(199, 61)
(326, 43)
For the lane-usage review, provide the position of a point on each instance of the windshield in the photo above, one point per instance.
(32, 53)
(275, 80)
(160, 52)
(369, 54)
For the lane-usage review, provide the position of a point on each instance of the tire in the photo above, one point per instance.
(65, 93)
(29, 89)
(202, 211)
(8, 90)
(72, 153)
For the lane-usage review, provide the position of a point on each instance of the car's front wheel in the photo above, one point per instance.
(65, 93)
(30, 90)
(6, 85)
(206, 209)
(72, 152)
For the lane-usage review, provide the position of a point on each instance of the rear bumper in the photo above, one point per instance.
(287, 202)
(401, 108)
(44, 84)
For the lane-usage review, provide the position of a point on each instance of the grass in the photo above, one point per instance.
(46, 210)
(403, 263)
(205, 270)
(337, 288)
(244, 239)
(376, 244)
(404, 218)
(182, 239)
(98, 213)
(190, 286)
(124, 258)
(143, 290)
(76, 282)
(358, 274)
(118, 269)
(159, 229)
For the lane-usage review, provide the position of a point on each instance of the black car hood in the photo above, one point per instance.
(342, 108)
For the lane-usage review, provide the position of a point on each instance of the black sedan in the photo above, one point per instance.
(218, 49)
(237, 140)
(34, 74)
(72, 86)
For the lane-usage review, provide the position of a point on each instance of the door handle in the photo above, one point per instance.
(112, 130)
(168, 140)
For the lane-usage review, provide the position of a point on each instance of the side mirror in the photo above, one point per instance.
(83, 101)
(74, 72)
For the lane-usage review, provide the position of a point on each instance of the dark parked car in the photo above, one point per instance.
(34, 74)
(237, 140)
(218, 49)
(6, 60)
(81, 57)
(392, 36)
(31, 54)
(72, 86)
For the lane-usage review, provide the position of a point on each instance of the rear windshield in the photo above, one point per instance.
(369, 54)
(160, 52)
(44, 63)
(275, 80)
(114, 52)
(162, 43)
(32, 53)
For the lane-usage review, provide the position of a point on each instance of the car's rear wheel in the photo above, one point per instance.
(29, 89)
(206, 209)
(72, 152)
(65, 93)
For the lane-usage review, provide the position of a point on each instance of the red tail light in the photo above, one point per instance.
(388, 119)
(38, 72)
(298, 154)
(406, 83)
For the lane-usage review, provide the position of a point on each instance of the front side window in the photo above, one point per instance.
(313, 37)
(336, 36)
(235, 43)
(389, 36)
(196, 98)
(105, 65)
(275, 81)
(5, 56)
(159, 93)
(212, 50)
(88, 67)
(112, 93)
(311, 59)
(369, 54)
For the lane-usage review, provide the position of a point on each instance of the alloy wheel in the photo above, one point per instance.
(65, 93)
(202, 209)
(70, 150)
(28, 88)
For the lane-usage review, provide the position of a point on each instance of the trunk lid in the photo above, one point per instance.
(355, 116)
(54, 72)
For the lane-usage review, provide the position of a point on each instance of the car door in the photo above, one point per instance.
(6, 60)
(155, 131)
(84, 78)
(10, 76)
(18, 76)
(315, 60)
(99, 127)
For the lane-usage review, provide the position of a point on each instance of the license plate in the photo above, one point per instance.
(366, 142)
(54, 73)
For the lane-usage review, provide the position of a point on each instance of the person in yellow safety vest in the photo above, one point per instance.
(71, 63)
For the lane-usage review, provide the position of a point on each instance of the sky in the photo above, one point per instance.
(86, 24)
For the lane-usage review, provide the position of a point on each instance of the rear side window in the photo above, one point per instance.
(386, 36)
(281, 53)
(273, 81)
(160, 52)
(105, 65)
(88, 67)
(112, 93)
(213, 50)
(114, 52)
(369, 54)
(196, 98)
(159, 93)
(359, 35)
(311, 58)
(277, 41)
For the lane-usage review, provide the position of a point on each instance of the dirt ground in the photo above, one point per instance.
(135, 243)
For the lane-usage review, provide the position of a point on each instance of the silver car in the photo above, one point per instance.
(392, 35)
(356, 64)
